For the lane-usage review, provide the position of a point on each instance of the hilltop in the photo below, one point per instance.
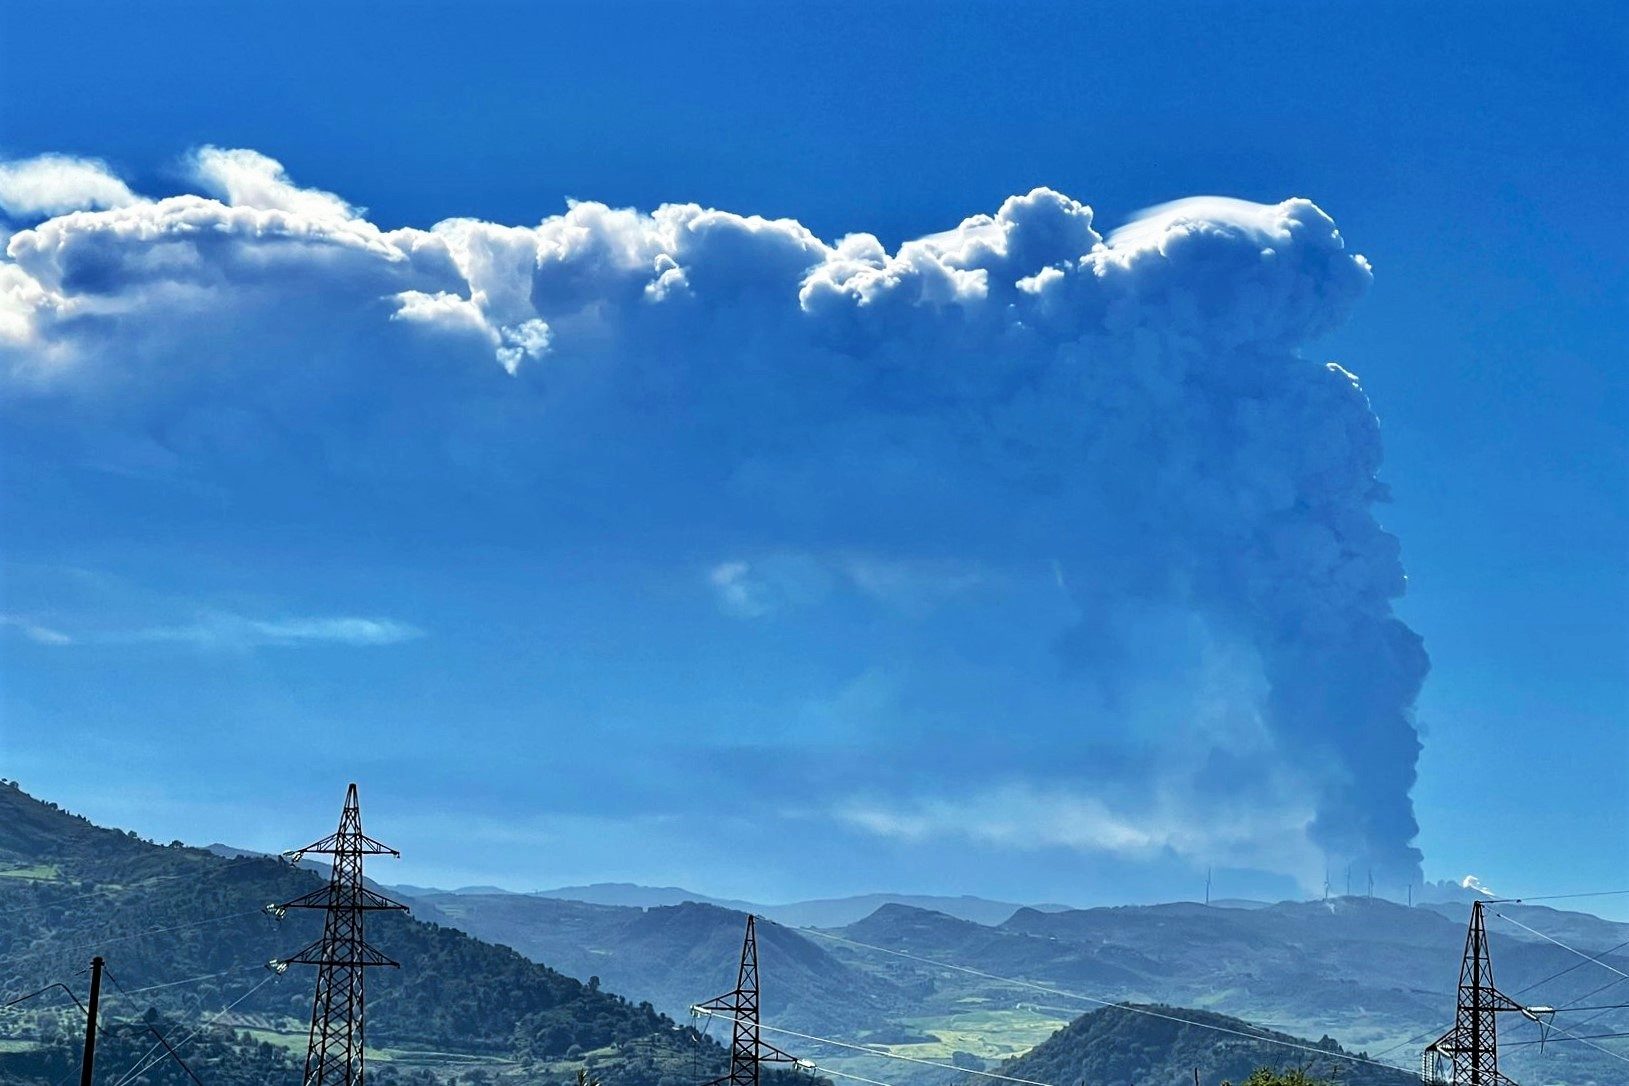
(679, 955)
(1142, 1045)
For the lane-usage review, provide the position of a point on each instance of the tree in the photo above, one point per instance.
(1264, 1076)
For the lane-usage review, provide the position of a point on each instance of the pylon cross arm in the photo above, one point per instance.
(349, 843)
(321, 953)
(325, 897)
(768, 1053)
(334, 845)
(729, 1001)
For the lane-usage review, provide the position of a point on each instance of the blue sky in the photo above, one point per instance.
(553, 651)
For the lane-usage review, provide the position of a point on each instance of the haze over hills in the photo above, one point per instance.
(831, 912)
(679, 955)
(1370, 973)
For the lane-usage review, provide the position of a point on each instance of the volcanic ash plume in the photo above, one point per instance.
(1132, 426)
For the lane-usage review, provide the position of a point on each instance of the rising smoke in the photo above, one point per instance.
(1135, 421)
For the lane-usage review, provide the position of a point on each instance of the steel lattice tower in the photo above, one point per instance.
(334, 1056)
(1471, 1048)
(748, 1050)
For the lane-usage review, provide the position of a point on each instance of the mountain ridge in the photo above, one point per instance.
(811, 912)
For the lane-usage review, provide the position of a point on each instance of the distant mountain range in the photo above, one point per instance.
(818, 912)
(1370, 973)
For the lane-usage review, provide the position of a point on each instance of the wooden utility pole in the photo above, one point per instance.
(87, 1066)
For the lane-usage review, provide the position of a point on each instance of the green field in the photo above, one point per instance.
(35, 873)
(989, 1033)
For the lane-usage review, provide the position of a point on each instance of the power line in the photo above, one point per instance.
(1570, 968)
(856, 1078)
(140, 934)
(169, 1050)
(1593, 991)
(1565, 1007)
(189, 980)
(1105, 1002)
(1560, 897)
(1589, 1043)
(173, 1050)
(48, 988)
(143, 1063)
(1561, 1040)
(103, 891)
(1563, 946)
(154, 1030)
(1434, 1031)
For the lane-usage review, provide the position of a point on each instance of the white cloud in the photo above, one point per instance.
(49, 185)
(228, 631)
(1036, 264)
(223, 630)
(245, 178)
(768, 585)
(788, 580)
(913, 585)
(1024, 817)
(526, 341)
(737, 594)
(35, 632)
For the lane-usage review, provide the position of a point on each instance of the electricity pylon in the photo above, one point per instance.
(1471, 1049)
(334, 1055)
(748, 1049)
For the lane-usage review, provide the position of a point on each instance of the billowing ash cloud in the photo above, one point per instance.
(1115, 451)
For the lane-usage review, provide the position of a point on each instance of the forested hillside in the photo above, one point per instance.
(1136, 1045)
(185, 934)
